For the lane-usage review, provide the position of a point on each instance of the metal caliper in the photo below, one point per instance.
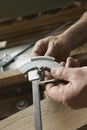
(35, 70)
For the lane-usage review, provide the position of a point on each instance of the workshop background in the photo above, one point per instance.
(23, 22)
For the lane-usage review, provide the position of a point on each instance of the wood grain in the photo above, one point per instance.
(20, 32)
(54, 116)
(10, 77)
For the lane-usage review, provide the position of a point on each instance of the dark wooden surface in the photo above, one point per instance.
(17, 32)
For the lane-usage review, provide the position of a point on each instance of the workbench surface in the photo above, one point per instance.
(54, 117)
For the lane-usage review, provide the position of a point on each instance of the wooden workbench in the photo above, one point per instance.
(54, 117)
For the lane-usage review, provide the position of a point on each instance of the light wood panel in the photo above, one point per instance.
(11, 77)
(54, 116)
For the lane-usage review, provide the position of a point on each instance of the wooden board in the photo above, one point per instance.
(19, 32)
(54, 116)
(11, 77)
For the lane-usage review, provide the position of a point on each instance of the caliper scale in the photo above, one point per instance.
(35, 70)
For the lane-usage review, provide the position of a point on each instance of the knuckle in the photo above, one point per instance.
(85, 14)
(38, 43)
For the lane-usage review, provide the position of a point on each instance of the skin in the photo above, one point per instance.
(74, 93)
(61, 45)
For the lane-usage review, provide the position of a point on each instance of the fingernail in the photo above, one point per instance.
(53, 70)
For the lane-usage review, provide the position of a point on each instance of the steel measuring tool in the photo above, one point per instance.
(35, 70)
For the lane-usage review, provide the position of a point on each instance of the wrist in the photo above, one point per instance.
(66, 41)
(76, 34)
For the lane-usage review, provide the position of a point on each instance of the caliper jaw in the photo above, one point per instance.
(36, 74)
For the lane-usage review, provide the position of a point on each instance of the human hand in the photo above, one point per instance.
(54, 46)
(74, 93)
(61, 45)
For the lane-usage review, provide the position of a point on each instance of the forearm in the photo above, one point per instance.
(77, 33)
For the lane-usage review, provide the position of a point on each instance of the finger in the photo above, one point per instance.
(55, 92)
(69, 62)
(39, 48)
(62, 64)
(48, 75)
(50, 50)
(62, 73)
(34, 54)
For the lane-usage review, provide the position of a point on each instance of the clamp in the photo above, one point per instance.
(36, 69)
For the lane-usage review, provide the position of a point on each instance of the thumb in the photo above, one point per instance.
(62, 73)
